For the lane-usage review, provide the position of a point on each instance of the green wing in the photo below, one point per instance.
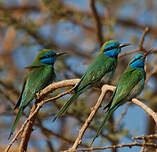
(96, 70)
(128, 86)
(37, 79)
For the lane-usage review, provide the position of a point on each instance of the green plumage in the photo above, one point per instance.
(103, 65)
(39, 76)
(130, 84)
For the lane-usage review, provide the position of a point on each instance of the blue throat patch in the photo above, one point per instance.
(113, 52)
(137, 61)
(48, 58)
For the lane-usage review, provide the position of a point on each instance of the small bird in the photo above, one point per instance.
(41, 73)
(103, 65)
(130, 84)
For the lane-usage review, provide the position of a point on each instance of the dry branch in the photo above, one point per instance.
(97, 21)
(61, 84)
(140, 44)
(148, 110)
(95, 108)
(51, 87)
(154, 136)
(119, 146)
(78, 140)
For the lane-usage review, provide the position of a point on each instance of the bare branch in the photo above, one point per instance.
(67, 83)
(145, 137)
(98, 22)
(52, 86)
(119, 146)
(94, 110)
(148, 110)
(140, 44)
(78, 140)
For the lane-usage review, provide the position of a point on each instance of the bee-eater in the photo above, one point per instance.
(103, 65)
(129, 85)
(41, 73)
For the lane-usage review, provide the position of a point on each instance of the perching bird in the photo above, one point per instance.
(103, 65)
(41, 73)
(130, 84)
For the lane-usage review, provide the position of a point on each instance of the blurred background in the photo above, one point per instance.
(79, 28)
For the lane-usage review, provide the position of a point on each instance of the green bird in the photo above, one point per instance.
(103, 65)
(130, 84)
(41, 73)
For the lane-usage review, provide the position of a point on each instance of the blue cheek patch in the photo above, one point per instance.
(48, 60)
(136, 57)
(138, 63)
(113, 52)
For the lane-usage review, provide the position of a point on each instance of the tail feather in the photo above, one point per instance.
(107, 116)
(15, 122)
(64, 108)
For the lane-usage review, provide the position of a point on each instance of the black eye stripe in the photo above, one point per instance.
(47, 56)
(110, 48)
(136, 59)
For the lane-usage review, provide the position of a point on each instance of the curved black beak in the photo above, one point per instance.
(61, 53)
(124, 45)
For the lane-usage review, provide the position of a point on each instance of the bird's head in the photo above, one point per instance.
(47, 56)
(138, 61)
(112, 48)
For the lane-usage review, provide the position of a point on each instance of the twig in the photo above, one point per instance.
(154, 136)
(56, 85)
(72, 82)
(50, 133)
(143, 148)
(94, 110)
(140, 44)
(78, 140)
(119, 146)
(148, 110)
(98, 22)
(129, 52)
(51, 87)
(27, 132)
